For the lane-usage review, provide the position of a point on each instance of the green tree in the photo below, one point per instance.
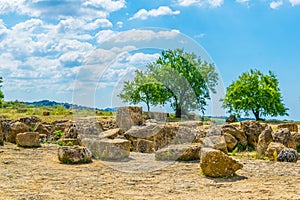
(180, 73)
(144, 88)
(257, 93)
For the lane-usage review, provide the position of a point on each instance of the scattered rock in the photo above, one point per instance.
(30, 121)
(231, 119)
(108, 123)
(231, 142)
(74, 155)
(252, 129)
(46, 113)
(43, 138)
(158, 116)
(293, 127)
(71, 131)
(284, 137)
(107, 149)
(191, 124)
(215, 140)
(28, 139)
(274, 146)
(1, 137)
(16, 128)
(111, 134)
(235, 132)
(183, 152)
(129, 116)
(296, 137)
(144, 146)
(264, 139)
(41, 129)
(288, 155)
(216, 164)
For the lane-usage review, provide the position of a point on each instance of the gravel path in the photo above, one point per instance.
(37, 174)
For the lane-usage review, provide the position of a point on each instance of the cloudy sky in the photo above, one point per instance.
(81, 51)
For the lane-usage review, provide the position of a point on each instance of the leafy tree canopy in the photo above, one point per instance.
(257, 93)
(144, 88)
(181, 75)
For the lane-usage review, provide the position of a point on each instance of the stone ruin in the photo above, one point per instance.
(168, 141)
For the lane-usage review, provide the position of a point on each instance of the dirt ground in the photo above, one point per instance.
(37, 174)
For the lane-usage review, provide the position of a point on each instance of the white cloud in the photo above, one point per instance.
(98, 23)
(87, 9)
(162, 10)
(242, 1)
(109, 5)
(120, 24)
(105, 35)
(294, 2)
(276, 4)
(134, 35)
(201, 3)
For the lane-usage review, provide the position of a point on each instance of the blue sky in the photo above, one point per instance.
(81, 51)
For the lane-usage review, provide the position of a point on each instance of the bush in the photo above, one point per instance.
(58, 134)
(298, 148)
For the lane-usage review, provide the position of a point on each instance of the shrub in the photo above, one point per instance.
(58, 134)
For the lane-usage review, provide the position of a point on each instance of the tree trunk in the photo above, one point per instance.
(256, 114)
(148, 111)
(178, 113)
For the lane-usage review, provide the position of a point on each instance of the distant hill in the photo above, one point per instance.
(53, 103)
(67, 105)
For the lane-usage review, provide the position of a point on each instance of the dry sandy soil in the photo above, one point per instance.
(37, 174)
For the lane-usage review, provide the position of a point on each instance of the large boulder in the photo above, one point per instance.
(71, 131)
(215, 139)
(16, 128)
(296, 137)
(28, 139)
(183, 152)
(216, 164)
(129, 116)
(231, 141)
(107, 149)
(264, 139)
(31, 121)
(252, 129)
(293, 127)
(161, 134)
(235, 132)
(274, 149)
(284, 137)
(288, 155)
(74, 155)
(42, 129)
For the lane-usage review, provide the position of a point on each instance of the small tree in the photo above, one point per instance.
(255, 92)
(144, 88)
